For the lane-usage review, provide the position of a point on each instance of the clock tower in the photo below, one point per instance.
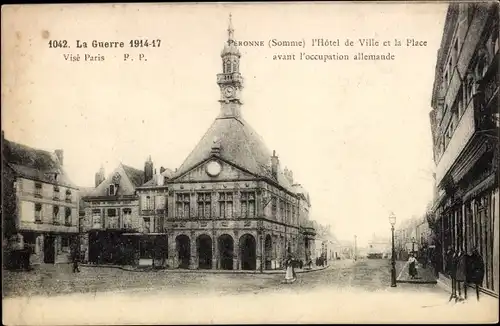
(230, 80)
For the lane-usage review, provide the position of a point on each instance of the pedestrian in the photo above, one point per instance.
(460, 274)
(412, 267)
(75, 256)
(289, 277)
(475, 270)
(450, 271)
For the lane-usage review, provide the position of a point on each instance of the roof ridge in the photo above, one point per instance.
(27, 147)
(196, 146)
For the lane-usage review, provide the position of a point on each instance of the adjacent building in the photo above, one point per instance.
(40, 204)
(111, 211)
(464, 125)
(231, 205)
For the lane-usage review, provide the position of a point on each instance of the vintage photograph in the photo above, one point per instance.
(250, 163)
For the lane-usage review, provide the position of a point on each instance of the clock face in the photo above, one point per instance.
(213, 168)
(229, 91)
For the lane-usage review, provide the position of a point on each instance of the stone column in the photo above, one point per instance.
(193, 260)
(215, 251)
(172, 251)
(236, 262)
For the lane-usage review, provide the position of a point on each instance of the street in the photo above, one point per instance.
(347, 291)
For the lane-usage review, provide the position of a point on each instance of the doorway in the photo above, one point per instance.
(226, 249)
(49, 250)
(183, 251)
(248, 252)
(204, 244)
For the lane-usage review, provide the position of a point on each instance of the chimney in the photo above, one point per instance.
(160, 180)
(148, 170)
(60, 155)
(274, 165)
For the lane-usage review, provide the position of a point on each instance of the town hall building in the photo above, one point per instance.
(230, 204)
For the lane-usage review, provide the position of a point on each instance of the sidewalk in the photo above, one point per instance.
(424, 275)
(211, 271)
(445, 283)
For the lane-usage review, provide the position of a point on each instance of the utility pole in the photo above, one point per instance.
(355, 248)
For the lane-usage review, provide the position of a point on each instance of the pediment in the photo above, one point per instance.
(215, 169)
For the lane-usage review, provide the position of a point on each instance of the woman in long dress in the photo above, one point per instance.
(412, 266)
(289, 275)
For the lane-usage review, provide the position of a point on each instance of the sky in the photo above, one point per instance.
(355, 133)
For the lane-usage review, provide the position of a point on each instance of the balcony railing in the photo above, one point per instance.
(38, 218)
(38, 193)
(229, 78)
(68, 199)
(56, 196)
(56, 221)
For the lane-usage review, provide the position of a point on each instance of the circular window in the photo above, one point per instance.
(213, 168)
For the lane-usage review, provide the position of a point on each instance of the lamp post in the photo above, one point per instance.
(413, 244)
(392, 220)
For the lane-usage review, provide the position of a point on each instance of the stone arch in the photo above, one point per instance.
(248, 252)
(226, 251)
(183, 246)
(204, 250)
(268, 251)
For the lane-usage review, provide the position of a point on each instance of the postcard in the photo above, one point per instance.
(250, 163)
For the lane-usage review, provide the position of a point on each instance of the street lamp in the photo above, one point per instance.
(392, 220)
(413, 244)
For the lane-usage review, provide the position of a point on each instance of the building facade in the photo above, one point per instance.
(464, 125)
(153, 211)
(230, 205)
(111, 211)
(40, 206)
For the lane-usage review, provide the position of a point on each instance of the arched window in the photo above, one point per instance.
(227, 68)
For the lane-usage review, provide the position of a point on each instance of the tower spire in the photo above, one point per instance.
(230, 29)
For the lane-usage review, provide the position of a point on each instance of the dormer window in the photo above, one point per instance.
(112, 190)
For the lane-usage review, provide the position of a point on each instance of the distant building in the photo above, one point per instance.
(465, 129)
(379, 247)
(40, 204)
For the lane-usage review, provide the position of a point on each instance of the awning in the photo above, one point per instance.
(482, 186)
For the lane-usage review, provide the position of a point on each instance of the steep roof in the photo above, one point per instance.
(135, 176)
(239, 144)
(131, 178)
(35, 164)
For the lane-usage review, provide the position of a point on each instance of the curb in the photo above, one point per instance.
(202, 271)
(416, 282)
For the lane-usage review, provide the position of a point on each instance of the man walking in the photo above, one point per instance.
(75, 257)
(450, 270)
(475, 270)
